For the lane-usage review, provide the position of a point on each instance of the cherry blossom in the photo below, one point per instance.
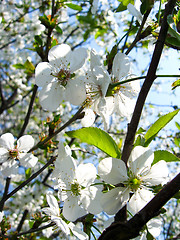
(138, 179)
(10, 153)
(103, 95)
(61, 224)
(75, 186)
(57, 77)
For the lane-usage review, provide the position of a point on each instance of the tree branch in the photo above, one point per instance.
(151, 76)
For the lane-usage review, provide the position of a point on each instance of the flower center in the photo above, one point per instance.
(63, 76)
(134, 183)
(75, 188)
(112, 90)
(14, 153)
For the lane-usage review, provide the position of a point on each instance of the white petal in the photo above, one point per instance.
(62, 225)
(9, 168)
(121, 66)
(89, 118)
(124, 106)
(134, 12)
(114, 200)
(101, 79)
(64, 169)
(7, 141)
(75, 92)
(43, 74)
(25, 143)
(139, 199)
(86, 174)
(28, 160)
(58, 52)
(154, 227)
(94, 206)
(112, 170)
(77, 59)
(4, 155)
(140, 159)
(71, 209)
(104, 107)
(95, 59)
(51, 96)
(157, 174)
(1, 216)
(63, 151)
(77, 232)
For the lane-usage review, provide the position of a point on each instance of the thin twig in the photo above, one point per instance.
(26, 182)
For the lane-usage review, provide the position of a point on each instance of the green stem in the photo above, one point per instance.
(138, 78)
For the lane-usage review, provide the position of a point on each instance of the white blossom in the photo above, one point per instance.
(138, 179)
(57, 77)
(10, 153)
(75, 187)
(54, 212)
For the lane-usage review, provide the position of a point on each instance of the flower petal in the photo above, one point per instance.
(139, 199)
(58, 56)
(85, 174)
(140, 160)
(25, 143)
(157, 174)
(43, 74)
(72, 210)
(51, 96)
(75, 92)
(121, 66)
(62, 225)
(77, 60)
(7, 141)
(114, 200)
(112, 170)
(89, 117)
(28, 160)
(4, 155)
(78, 232)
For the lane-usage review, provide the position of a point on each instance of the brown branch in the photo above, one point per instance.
(130, 229)
(151, 76)
(26, 182)
(58, 130)
(8, 180)
(26, 121)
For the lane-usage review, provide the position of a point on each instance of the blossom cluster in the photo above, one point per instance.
(82, 191)
(62, 79)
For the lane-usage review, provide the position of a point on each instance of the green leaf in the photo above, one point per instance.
(175, 84)
(158, 125)
(74, 6)
(19, 66)
(29, 66)
(164, 155)
(123, 5)
(98, 138)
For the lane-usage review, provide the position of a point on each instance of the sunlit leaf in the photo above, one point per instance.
(98, 138)
(164, 155)
(158, 125)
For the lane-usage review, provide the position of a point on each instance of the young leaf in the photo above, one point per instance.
(98, 138)
(164, 155)
(175, 84)
(158, 125)
(74, 6)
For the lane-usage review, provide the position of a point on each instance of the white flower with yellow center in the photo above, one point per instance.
(57, 77)
(137, 179)
(105, 98)
(11, 153)
(75, 184)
